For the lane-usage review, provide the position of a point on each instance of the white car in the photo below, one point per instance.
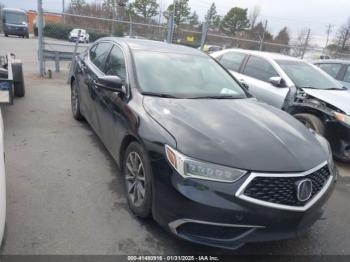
(2, 182)
(84, 36)
(297, 87)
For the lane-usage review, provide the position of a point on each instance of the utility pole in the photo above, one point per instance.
(205, 28)
(40, 38)
(306, 43)
(63, 8)
(329, 31)
(171, 24)
(263, 37)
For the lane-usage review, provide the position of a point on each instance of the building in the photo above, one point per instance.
(48, 17)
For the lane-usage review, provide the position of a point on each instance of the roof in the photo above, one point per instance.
(331, 61)
(14, 10)
(155, 46)
(269, 55)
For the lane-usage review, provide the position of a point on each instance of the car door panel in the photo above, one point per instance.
(110, 106)
(262, 89)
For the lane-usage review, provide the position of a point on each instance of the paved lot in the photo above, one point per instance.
(65, 194)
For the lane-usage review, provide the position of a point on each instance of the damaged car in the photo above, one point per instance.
(197, 152)
(297, 87)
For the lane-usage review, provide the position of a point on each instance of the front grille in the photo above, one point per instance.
(282, 190)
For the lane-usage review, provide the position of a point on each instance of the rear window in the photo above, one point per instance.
(232, 60)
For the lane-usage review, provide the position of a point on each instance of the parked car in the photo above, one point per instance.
(197, 152)
(15, 22)
(339, 69)
(84, 36)
(297, 87)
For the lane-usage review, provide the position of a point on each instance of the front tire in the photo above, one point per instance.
(311, 121)
(138, 180)
(75, 102)
(18, 79)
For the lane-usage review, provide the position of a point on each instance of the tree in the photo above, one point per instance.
(235, 21)
(282, 37)
(217, 21)
(193, 19)
(145, 8)
(211, 14)
(182, 11)
(77, 4)
(253, 16)
(257, 33)
(343, 35)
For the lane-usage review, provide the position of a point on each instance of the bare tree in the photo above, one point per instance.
(253, 15)
(343, 36)
(300, 41)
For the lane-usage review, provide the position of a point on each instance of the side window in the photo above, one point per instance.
(260, 69)
(232, 61)
(116, 63)
(99, 55)
(331, 69)
(347, 75)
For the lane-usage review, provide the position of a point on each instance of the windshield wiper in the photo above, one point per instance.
(215, 97)
(335, 88)
(158, 95)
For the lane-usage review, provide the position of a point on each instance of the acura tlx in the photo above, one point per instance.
(210, 163)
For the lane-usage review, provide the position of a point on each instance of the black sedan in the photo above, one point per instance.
(197, 152)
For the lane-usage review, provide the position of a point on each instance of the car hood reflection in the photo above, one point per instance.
(240, 133)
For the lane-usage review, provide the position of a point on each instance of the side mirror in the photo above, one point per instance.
(277, 81)
(111, 83)
(244, 84)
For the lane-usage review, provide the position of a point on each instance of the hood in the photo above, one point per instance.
(337, 98)
(241, 133)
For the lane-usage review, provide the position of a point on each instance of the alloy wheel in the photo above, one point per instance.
(135, 179)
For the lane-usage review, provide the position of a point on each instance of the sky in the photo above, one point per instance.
(295, 14)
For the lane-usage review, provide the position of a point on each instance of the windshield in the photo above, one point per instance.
(184, 76)
(15, 18)
(76, 31)
(305, 75)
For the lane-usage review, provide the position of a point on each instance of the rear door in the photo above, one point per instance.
(256, 73)
(94, 67)
(110, 105)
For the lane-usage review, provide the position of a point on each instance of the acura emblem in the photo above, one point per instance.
(304, 190)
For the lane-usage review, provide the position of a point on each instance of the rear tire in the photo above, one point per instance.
(312, 122)
(138, 180)
(18, 79)
(75, 102)
(6, 35)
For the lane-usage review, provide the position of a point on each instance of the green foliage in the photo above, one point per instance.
(145, 8)
(235, 20)
(193, 19)
(61, 31)
(78, 3)
(211, 14)
(283, 37)
(118, 31)
(182, 11)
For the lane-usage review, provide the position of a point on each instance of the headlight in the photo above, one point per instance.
(342, 118)
(191, 168)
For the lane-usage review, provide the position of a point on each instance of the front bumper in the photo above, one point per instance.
(18, 31)
(209, 213)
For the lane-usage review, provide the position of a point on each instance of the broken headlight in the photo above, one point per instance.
(342, 118)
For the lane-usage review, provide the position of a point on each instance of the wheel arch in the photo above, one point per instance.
(127, 140)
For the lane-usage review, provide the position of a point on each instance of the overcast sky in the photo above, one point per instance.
(295, 14)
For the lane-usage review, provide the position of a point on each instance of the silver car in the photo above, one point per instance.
(295, 86)
(339, 69)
